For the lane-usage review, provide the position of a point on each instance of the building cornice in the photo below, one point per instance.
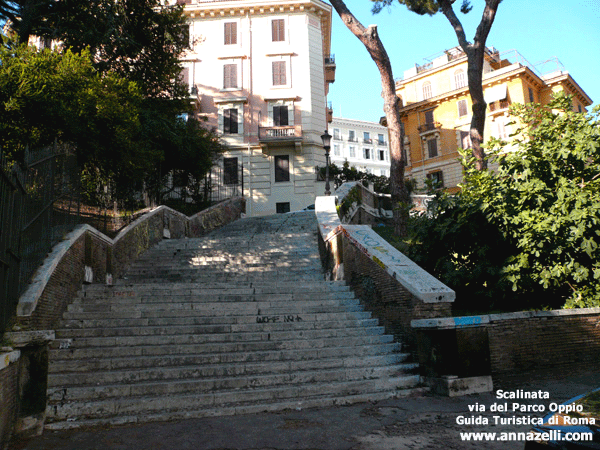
(236, 8)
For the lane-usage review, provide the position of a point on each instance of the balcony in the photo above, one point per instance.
(280, 135)
(429, 126)
(330, 69)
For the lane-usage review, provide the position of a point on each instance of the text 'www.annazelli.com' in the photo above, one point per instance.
(553, 435)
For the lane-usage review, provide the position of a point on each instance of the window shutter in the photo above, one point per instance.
(279, 78)
(429, 116)
(278, 30)
(230, 76)
(230, 33)
(432, 148)
(462, 108)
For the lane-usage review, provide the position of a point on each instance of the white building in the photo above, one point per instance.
(259, 71)
(363, 144)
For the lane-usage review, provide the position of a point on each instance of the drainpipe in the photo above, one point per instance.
(250, 99)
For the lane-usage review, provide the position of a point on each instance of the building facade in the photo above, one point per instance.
(363, 144)
(259, 72)
(436, 110)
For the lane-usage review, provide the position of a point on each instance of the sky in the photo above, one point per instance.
(568, 30)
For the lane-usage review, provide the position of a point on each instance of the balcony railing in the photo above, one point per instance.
(429, 126)
(285, 133)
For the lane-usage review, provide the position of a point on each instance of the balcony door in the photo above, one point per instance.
(280, 116)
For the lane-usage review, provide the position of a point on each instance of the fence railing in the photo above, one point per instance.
(38, 206)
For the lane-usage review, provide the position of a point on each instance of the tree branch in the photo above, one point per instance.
(446, 7)
(487, 20)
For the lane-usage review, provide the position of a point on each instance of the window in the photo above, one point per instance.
(381, 155)
(282, 168)
(459, 79)
(465, 140)
(230, 171)
(230, 33)
(352, 136)
(427, 92)
(367, 153)
(230, 76)
(278, 30)
(579, 108)
(282, 208)
(432, 149)
(367, 137)
(336, 149)
(429, 116)
(380, 139)
(502, 132)
(437, 179)
(184, 77)
(462, 108)
(230, 121)
(352, 151)
(280, 116)
(279, 75)
(336, 134)
(531, 97)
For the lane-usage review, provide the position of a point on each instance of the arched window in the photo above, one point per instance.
(427, 93)
(459, 79)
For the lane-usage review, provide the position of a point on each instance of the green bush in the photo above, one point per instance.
(524, 236)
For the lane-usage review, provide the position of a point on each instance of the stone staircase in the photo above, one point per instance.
(237, 322)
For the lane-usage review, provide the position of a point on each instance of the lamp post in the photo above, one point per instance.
(326, 138)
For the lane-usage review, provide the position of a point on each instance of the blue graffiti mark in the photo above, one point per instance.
(467, 321)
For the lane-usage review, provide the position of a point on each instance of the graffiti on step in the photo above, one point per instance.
(285, 318)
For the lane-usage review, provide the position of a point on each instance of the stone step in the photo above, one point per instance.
(223, 296)
(227, 342)
(232, 351)
(171, 304)
(319, 320)
(167, 406)
(172, 337)
(141, 289)
(345, 358)
(150, 381)
(277, 326)
(273, 309)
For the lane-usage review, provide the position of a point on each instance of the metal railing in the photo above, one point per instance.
(39, 204)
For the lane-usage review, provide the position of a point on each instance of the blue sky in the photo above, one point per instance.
(567, 29)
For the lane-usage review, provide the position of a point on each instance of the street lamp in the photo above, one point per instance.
(326, 138)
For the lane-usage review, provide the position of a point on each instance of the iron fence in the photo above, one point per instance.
(39, 204)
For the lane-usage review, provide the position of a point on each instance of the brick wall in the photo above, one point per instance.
(547, 341)
(8, 401)
(384, 296)
(63, 284)
(510, 343)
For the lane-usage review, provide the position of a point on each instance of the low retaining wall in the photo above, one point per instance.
(504, 344)
(391, 286)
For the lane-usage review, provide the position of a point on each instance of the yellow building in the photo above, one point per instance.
(436, 110)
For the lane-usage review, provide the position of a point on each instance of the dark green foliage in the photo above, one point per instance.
(524, 236)
(139, 40)
(47, 96)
